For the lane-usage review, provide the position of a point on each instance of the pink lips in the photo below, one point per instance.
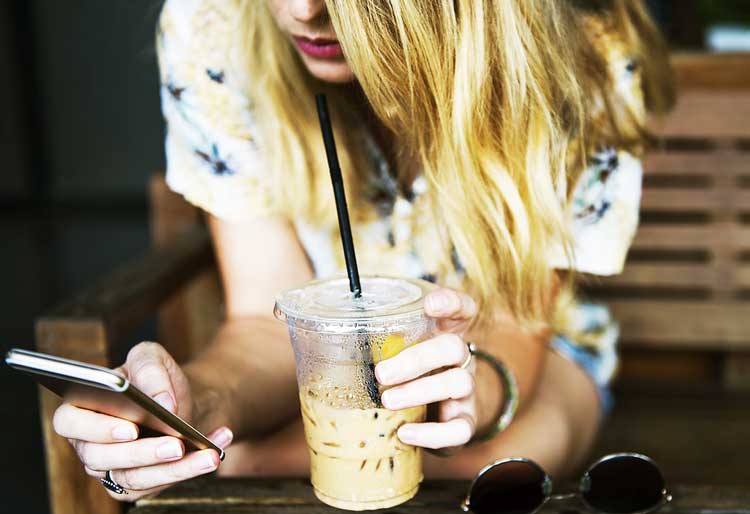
(319, 48)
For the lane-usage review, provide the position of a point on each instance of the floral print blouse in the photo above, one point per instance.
(212, 160)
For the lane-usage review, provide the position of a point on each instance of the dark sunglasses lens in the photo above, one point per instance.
(512, 487)
(623, 484)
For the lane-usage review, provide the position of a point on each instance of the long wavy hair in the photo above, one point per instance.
(492, 99)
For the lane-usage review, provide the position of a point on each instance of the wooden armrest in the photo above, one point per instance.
(122, 300)
(91, 327)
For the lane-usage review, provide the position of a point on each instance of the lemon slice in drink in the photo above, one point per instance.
(392, 345)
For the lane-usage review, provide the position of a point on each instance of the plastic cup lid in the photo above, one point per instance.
(328, 305)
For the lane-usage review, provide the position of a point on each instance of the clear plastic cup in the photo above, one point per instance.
(357, 461)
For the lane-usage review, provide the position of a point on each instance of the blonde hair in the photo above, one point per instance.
(488, 95)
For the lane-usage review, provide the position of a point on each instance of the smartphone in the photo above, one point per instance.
(103, 390)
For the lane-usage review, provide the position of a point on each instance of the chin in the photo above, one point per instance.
(336, 72)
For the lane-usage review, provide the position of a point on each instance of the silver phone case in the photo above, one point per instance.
(103, 390)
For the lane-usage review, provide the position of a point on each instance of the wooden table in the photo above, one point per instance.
(700, 438)
(295, 496)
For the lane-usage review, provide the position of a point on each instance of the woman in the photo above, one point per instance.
(490, 147)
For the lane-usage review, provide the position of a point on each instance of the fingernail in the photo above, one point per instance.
(384, 373)
(223, 438)
(124, 432)
(165, 400)
(207, 461)
(169, 450)
(392, 399)
(407, 434)
(436, 302)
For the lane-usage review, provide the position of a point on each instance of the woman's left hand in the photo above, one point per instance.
(430, 372)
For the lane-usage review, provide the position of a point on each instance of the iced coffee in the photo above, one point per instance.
(357, 461)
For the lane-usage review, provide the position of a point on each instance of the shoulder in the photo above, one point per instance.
(202, 32)
(202, 66)
(180, 13)
(212, 155)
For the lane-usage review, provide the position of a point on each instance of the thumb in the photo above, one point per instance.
(147, 369)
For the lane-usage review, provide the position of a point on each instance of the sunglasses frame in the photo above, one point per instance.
(547, 484)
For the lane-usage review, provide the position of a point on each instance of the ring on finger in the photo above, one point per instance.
(469, 357)
(109, 483)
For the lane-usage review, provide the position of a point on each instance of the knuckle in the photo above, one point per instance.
(129, 478)
(144, 349)
(94, 459)
(454, 298)
(463, 383)
(86, 454)
(179, 471)
(455, 347)
(148, 370)
(465, 431)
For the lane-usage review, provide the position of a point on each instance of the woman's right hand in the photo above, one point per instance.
(147, 465)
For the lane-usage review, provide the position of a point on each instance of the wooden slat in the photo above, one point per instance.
(737, 371)
(709, 236)
(742, 275)
(725, 162)
(711, 71)
(668, 366)
(677, 199)
(678, 274)
(677, 324)
(716, 114)
(662, 274)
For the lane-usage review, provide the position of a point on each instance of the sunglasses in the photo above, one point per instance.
(622, 483)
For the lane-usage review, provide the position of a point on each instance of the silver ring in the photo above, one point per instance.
(110, 484)
(469, 357)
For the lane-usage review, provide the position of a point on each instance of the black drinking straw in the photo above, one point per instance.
(338, 192)
(367, 366)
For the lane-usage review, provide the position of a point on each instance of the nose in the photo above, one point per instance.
(306, 11)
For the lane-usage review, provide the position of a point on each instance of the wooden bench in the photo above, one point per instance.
(684, 297)
(682, 302)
